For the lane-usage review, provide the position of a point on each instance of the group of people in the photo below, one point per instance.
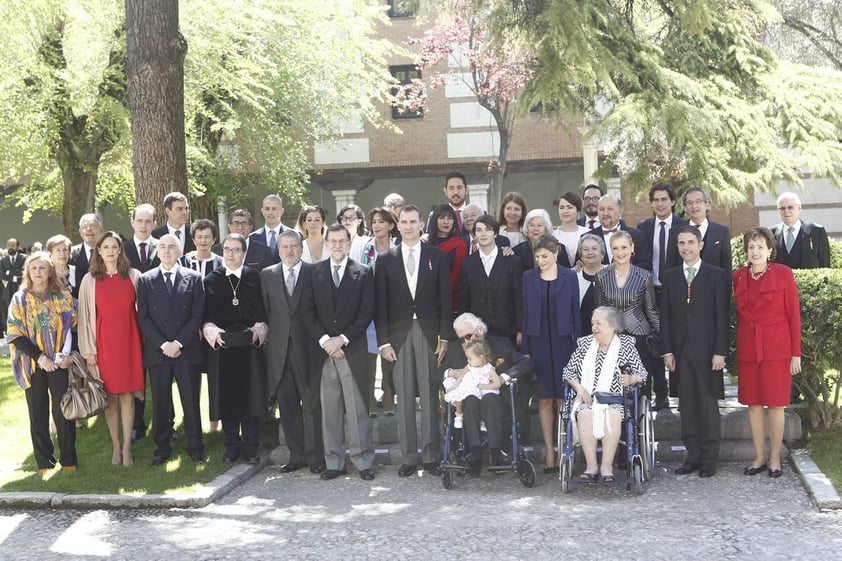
(305, 317)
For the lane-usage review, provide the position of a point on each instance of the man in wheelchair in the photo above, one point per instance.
(509, 364)
(601, 366)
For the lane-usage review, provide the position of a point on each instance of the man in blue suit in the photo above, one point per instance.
(170, 307)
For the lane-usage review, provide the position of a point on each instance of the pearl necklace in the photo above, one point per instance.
(759, 275)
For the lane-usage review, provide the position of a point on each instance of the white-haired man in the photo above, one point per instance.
(801, 245)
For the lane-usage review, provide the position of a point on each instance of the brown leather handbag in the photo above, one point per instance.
(86, 395)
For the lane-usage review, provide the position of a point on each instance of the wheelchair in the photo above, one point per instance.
(637, 440)
(454, 451)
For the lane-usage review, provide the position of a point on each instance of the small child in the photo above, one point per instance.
(478, 376)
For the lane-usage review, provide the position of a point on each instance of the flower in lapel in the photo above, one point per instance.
(430, 264)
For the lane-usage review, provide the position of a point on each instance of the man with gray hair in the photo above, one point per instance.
(801, 245)
(716, 238)
(90, 228)
(394, 202)
(510, 365)
(610, 215)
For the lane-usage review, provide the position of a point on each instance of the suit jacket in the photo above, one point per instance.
(288, 333)
(527, 256)
(165, 318)
(698, 327)
(258, 256)
(79, 259)
(259, 236)
(11, 271)
(343, 310)
(635, 300)
(648, 227)
(568, 316)
(716, 251)
(395, 305)
(811, 249)
(164, 230)
(204, 269)
(642, 250)
(496, 298)
(500, 240)
(768, 327)
(132, 252)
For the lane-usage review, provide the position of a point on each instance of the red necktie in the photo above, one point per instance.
(458, 220)
(591, 222)
(473, 246)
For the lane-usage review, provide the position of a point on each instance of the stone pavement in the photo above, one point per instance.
(297, 516)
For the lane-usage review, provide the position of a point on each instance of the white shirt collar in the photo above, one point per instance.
(147, 241)
(701, 226)
(797, 227)
(492, 255)
(173, 270)
(695, 266)
(236, 272)
(667, 222)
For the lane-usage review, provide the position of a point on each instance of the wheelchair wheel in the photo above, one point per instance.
(637, 475)
(447, 477)
(646, 439)
(526, 473)
(565, 473)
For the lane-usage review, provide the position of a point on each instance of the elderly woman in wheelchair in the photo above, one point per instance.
(602, 365)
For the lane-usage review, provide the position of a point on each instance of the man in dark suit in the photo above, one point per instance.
(610, 214)
(694, 343)
(11, 268)
(272, 211)
(178, 217)
(338, 306)
(716, 249)
(509, 365)
(170, 307)
(142, 249)
(470, 214)
(590, 199)
(413, 325)
(290, 350)
(456, 192)
(801, 245)
(491, 284)
(660, 230)
(258, 256)
(90, 229)
(142, 252)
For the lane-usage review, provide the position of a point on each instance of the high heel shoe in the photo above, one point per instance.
(755, 470)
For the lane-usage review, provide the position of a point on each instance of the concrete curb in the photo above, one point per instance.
(816, 482)
(203, 496)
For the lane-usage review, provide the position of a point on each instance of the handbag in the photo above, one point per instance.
(606, 398)
(85, 395)
(237, 336)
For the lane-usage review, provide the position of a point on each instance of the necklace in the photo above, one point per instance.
(759, 275)
(234, 301)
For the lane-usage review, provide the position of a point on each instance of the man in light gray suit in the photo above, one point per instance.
(338, 305)
(290, 350)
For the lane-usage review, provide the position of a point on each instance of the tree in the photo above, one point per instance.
(808, 32)
(682, 90)
(496, 77)
(155, 57)
(258, 88)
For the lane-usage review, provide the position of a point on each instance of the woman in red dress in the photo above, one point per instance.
(109, 337)
(768, 344)
(446, 237)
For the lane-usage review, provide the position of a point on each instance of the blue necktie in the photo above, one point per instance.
(168, 283)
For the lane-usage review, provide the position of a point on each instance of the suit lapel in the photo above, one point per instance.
(424, 268)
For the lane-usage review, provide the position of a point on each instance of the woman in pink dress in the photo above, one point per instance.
(109, 337)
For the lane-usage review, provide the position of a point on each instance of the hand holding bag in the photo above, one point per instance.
(86, 395)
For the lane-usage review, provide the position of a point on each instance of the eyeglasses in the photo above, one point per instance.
(346, 218)
(232, 250)
(240, 223)
(591, 199)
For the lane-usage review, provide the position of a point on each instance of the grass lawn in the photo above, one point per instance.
(18, 471)
(825, 447)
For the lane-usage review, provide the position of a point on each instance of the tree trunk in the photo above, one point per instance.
(155, 64)
(79, 178)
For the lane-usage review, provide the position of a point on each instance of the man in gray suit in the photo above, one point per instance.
(338, 306)
(290, 349)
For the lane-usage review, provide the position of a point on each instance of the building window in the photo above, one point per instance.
(406, 75)
(403, 8)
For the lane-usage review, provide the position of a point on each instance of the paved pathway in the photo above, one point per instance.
(297, 516)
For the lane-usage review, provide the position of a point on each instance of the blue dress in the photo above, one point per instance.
(549, 350)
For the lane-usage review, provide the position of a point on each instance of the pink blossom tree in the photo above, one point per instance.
(496, 76)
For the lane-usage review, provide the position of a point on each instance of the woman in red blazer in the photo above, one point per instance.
(768, 344)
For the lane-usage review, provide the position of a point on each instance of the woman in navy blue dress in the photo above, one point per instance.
(551, 325)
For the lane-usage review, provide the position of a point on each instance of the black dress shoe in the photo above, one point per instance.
(317, 468)
(661, 403)
(159, 460)
(433, 469)
(686, 468)
(500, 458)
(775, 473)
(707, 470)
(755, 470)
(406, 470)
(137, 434)
(198, 457)
(252, 460)
(367, 474)
(231, 457)
(332, 474)
(291, 467)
